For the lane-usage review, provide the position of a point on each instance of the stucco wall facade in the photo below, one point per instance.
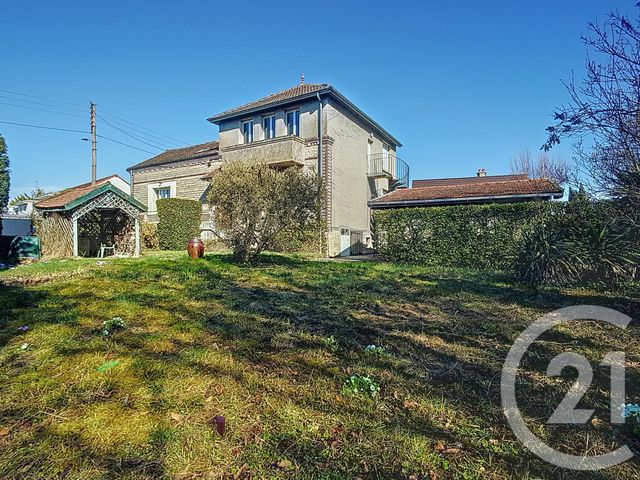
(348, 142)
(351, 186)
(231, 130)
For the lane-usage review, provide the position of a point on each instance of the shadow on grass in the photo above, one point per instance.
(447, 336)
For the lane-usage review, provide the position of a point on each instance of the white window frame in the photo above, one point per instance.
(272, 117)
(247, 122)
(157, 192)
(286, 123)
(152, 193)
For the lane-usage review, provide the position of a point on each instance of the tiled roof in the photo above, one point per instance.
(436, 182)
(204, 151)
(289, 94)
(59, 200)
(464, 192)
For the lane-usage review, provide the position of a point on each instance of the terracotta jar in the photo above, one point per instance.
(195, 249)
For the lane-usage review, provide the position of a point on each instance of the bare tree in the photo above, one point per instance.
(604, 110)
(544, 166)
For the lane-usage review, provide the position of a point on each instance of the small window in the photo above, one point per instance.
(163, 192)
(269, 127)
(293, 123)
(247, 131)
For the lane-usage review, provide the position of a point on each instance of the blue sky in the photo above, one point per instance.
(462, 84)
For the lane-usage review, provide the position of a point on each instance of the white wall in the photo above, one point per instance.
(121, 184)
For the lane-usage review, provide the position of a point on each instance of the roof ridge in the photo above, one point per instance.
(265, 100)
(197, 151)
(470, 184)
(188, 146)
(45, 202)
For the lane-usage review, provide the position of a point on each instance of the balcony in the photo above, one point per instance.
(387, 165)
(279, 151)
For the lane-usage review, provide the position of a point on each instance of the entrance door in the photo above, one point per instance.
(345, 242)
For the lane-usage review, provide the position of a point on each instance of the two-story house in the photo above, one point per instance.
(309, 126)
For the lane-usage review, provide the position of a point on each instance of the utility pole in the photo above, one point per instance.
(94, 147)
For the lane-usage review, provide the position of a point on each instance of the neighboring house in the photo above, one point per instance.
(480, 189)
(356, 157)
(178, 173)
(16, 220)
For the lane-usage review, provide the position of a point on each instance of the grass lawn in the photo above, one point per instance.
(270, 348)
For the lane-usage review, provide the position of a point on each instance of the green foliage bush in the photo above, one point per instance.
(258, 208)
(541, 243)
(546, 255)
(179, 222)
(475, 236)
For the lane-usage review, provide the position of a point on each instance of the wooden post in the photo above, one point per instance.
(94, 147)
(75, 237)
(137, 228)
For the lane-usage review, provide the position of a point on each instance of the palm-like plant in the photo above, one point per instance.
(33, 195)
(610, 255)
(547, 256)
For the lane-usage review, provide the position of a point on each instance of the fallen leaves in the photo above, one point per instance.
(285, 464)
(443, 449)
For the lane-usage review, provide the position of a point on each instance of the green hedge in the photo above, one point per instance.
(477, 236)
(179, 222)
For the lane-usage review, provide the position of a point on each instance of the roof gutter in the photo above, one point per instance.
(449, 201)
(320, 134)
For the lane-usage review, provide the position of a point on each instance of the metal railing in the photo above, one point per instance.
(387, 164)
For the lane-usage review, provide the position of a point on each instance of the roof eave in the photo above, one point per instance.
(216, 119)
(364, 116)
(461, 200)
(240, 113)
(141, 165)
(93, 193)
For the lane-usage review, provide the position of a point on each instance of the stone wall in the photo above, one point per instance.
(183, 177)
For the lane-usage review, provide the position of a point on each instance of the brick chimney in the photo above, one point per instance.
(481, 172)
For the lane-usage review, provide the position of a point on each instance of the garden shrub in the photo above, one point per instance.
(258, 208)
(547, 255)
(476, 236)
(179, 222)
(149, 236)
(542, 243)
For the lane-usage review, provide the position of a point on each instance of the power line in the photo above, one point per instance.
(46, 127)
(126, 144)
(157, 135)
(160, 132)
(128, 134)
(41, 109)
(50, 95)
(43, 127)
(149, 136)
(39, 103)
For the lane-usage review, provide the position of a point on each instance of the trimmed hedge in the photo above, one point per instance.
(477, 236)
(179, 222)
